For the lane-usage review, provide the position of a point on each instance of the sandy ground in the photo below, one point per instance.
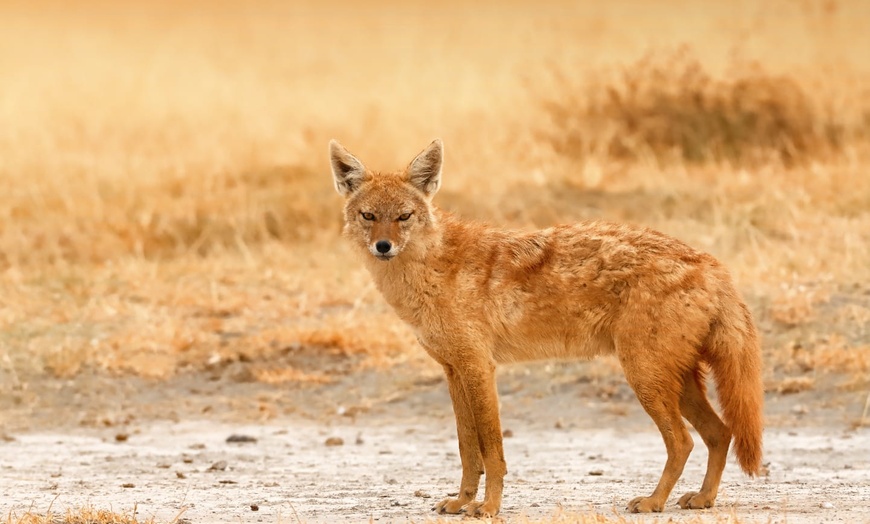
(395, 472)
(399, 457)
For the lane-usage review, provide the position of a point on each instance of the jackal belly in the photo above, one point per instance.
(544, 342)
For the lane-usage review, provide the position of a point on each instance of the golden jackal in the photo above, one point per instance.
(477, 295)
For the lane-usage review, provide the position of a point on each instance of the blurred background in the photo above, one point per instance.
(167, 214)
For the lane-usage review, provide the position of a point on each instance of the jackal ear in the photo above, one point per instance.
(424, 172)
(347, 171)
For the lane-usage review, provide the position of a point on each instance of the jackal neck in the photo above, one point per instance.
(409, 281)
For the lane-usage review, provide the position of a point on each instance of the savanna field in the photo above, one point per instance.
(167, 210)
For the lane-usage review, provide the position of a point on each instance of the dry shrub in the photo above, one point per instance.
(287, 374)
(795, 304)
(836, 354)
(65, 360)
(792, 385)
(670, 107)
(827, 354)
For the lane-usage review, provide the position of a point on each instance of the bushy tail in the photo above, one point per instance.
(735, 357)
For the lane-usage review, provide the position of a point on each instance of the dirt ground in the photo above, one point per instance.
(578, 443)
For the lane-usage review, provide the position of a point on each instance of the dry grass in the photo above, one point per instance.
(165, 203)
(671, 108)
(85, 515)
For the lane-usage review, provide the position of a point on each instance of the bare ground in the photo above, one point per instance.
(579, 443)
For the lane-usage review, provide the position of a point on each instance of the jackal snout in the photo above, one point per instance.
(383, 249)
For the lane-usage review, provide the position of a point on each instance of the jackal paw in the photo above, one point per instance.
(695, 500)
(645, 505)
(450, 505)
(481, 510)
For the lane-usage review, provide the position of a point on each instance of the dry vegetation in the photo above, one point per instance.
(671, 108)
(85, 515)
(165, 202)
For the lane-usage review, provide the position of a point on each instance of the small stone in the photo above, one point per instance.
(422, 494)
(800, 409)
(359, 440)
(335, 441)
(596, 472)
(241, 439)
(197, 446)
(255, 507)
(220, 465)
(826, 505)
(180, 475)
(128, 485)
(559, 424)
(508, 433)
(121, 437)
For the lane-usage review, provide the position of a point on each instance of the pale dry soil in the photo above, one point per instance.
(579, 443)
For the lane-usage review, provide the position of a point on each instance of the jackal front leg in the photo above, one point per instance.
(478, 381)
(469, 448)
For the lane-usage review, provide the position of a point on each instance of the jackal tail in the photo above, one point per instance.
(735, 358)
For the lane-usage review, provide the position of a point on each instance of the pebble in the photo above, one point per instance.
(241, 439)
(220, 465)
(800, 409)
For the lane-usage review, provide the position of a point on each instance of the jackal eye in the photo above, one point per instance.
(367, 216)
(404, 216)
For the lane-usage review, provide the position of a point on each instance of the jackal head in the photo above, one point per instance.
(387, 213)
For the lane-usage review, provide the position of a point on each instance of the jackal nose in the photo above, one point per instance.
(383, 246)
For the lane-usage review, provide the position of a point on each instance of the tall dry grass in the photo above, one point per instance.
(165, 201)
(671, 108)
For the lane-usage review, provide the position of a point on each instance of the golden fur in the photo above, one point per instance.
(478, 295)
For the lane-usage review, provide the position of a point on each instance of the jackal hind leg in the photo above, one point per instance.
(658, 388)
(716, 435)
